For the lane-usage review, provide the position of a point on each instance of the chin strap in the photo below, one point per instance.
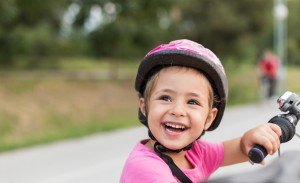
(174, 168)
(160, 149)
(164, 149)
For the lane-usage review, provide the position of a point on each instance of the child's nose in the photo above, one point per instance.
(178, 110)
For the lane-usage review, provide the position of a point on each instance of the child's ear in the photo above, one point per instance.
(142, 105)
(210, 118)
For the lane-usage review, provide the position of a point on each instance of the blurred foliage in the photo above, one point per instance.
(293, 32)
(39, 30)
(29, 28)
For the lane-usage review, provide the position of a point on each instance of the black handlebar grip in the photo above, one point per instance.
(258, 152)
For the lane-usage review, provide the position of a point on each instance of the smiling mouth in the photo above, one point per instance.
(175, 127)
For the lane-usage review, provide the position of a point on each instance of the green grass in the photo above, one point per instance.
(79, 63)
(65, 129)
(243, 85)
(74, 63)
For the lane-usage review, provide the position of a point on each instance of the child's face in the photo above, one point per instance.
(178, 108)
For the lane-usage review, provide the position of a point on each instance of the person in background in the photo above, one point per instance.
(268, 66)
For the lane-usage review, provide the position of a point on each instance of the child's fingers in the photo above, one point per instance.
(266, 143)
(275, 128)
(272, 142)
(270, 138)
(274, 139)
(266, 135)
(276, 133)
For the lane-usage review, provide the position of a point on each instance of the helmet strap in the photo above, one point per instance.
(160, 150)
(164, 149)
(174, 168)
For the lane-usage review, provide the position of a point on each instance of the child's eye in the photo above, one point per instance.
(165, 98)
(193, 102)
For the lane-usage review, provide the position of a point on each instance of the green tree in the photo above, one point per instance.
(8, 14)
(129, 30)
(293, 32)
(227, 27)
(240, 29)
(29, 27)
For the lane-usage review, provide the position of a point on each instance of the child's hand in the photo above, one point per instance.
(266, 135)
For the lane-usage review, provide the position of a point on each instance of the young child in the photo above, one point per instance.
(183, 89)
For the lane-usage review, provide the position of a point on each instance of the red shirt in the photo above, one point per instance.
(269, 65)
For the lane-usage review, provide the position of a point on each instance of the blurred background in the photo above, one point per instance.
(67, 67)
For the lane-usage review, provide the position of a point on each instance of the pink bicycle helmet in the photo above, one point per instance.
(188, 54)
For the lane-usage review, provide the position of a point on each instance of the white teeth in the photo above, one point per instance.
(175, 126)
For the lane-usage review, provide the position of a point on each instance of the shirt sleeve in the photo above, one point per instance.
(212, 155)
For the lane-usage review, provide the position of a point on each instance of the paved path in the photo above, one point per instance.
(99, 158)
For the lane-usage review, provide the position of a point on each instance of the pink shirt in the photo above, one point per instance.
(144, 165)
